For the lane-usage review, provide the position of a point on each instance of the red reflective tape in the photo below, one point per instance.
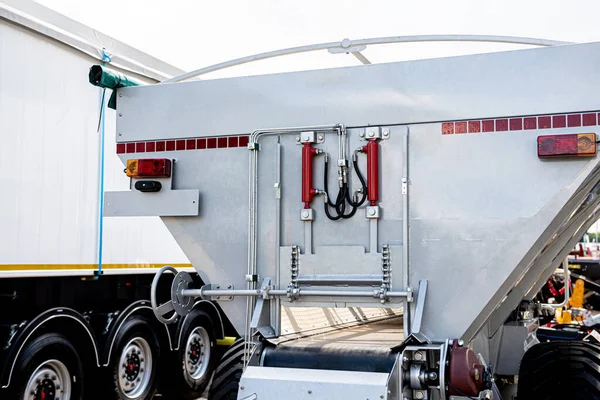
(487, 125)
(516, 124)
(574, 120)
(131, 147)
(544, 122)
(448, 128)
(589, 119)
(559, 121)
(140, 147)
(474, 126)
(170, 145)
(530, 123)
(120, 148)
(211, 143)
(232, 141)
(201, 143)
(222, 142)
(501, 125)
(160, 146)
(150, 147)
(190, 144)
(243, 140)
(180, 145)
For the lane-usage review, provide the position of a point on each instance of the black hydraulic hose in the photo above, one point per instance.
(364, 187)
(339, 201)
(344, 194)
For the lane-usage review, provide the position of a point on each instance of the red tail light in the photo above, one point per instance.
(574, 145)
(149, 167)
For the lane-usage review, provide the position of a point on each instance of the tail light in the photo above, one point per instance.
(573, 145)
(149, 168)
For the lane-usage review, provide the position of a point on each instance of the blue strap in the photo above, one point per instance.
(105, 58)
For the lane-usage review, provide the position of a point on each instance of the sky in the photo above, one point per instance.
(191, 34)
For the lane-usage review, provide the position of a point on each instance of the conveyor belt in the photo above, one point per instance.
(360, 348)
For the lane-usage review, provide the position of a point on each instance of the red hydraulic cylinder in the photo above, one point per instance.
(307, 174)
(372, 150)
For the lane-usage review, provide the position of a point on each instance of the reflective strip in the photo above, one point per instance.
(46, 267)
(221, 142)
(573, 120)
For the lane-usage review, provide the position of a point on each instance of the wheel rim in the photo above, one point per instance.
(50, 381)
(197, 353)
(135, 367)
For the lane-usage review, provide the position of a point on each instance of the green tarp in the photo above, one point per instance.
(109, 79)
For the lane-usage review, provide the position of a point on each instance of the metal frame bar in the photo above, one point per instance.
(350, 46)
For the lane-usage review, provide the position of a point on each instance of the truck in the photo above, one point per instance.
(376, 231)
(74, 286)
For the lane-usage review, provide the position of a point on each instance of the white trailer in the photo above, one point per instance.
(69, 278)
(479, 173)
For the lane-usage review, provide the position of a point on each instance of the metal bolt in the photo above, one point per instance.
(298, 139)
(362, 134)
(371, 211)
(126, 383)
(386, 132)
(461, 343)
(381, 397)
(53, 377)
(321, 137)
(218, 297)
(120, 114)
(230, 297)
(419, 395)
(418, 356)
(120, 94)
(141, 369)
(371, 134)
(310, 392)
(138, 379)
(405, 359)
(304, 214)
(433, 376)
(141, 360)
(228, 286)
(241, 388)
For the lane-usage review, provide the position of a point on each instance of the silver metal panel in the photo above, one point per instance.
(267, 383)
(486, 215)
(166, 203)
(475, 86)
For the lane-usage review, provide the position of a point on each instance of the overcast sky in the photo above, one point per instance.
(193, 33)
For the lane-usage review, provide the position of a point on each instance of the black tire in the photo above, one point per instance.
(47, 348)
(226, 380)
(560, 370)
(137, 331)
(180, 382)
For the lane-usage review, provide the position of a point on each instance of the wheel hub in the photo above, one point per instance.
(197, 353)
(50, 381)
(135, 366)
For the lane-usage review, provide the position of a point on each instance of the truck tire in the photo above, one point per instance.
(136, 361)
(48, 367)
(560, 370)
(189, 371)
(226, 380)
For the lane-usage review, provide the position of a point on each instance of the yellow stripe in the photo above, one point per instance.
(46, 267)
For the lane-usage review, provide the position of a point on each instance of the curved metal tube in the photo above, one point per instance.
(347, 45)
